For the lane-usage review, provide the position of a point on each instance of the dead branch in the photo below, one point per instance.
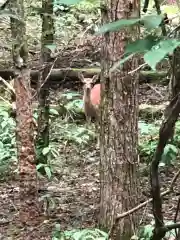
(170, 227)
(165, 134)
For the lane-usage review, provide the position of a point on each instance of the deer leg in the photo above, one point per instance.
(97, 126)
(88, 120)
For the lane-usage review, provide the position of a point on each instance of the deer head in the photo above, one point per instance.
(87, 81)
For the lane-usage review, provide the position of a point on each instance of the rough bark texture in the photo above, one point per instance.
(29, 208)
(46, 39)
(119, 132)
(175, 87)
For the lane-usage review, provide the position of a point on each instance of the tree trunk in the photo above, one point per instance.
(29, 208)
(46, 39)
(175, 79)
(119, 131)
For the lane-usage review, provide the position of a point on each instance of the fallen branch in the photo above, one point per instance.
(59, 75)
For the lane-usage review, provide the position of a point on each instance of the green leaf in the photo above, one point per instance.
(117, 25)
(58, 227)
(4, 114)
(161, 164)
(51, 47)
(48, 171)
(68, 2)
(173, 148)
(70, 95)
(45, 151)
(119, 64)
(40, 165)
(53, 111)
(155, 55)
(4, 124)
(141, 45)
(54, 153)
(1, 145)
(152, 21)
(75, 105)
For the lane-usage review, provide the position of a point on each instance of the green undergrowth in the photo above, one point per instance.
(78, 234)
(146, 232)
(66, 130)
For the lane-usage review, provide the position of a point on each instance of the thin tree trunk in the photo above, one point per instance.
(29, 208)
(119, 131)
(43, 96)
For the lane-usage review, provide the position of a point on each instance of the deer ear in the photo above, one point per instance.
(81, 77)
(95, 78)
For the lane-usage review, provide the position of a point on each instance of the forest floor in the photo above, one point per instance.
(75, 190)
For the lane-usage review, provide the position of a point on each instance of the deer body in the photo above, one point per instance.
(91, 98)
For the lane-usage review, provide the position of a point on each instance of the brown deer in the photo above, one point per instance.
(91, 97)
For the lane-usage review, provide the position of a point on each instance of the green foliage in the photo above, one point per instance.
(142, 45)
(73, 104)
(7, 141)
(68, 2)
(46, 168)
(51, 153)
(73, 2)
(117, 25)
(70, 95)
(72, 21)
(148, 22)
(71, 132)
(158, 52)
(154, 47)
(169, 155)
(75, 234)
(53, 112)
(146, 232)
(149, 134)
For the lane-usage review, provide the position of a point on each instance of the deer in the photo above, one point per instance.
(91, 98)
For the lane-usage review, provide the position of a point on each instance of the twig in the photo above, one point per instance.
(155, 90)
(136, 69)
(174, 30)
(7, 85)
(170, 227)
(45, 78)
(6, 101)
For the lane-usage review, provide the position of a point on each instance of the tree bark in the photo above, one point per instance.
(43, 92)
(119, 131)
(175, 81)
(29, 208)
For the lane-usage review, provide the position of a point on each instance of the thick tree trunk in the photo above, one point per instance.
(119, 132)
(43, 96)
(29, 208)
